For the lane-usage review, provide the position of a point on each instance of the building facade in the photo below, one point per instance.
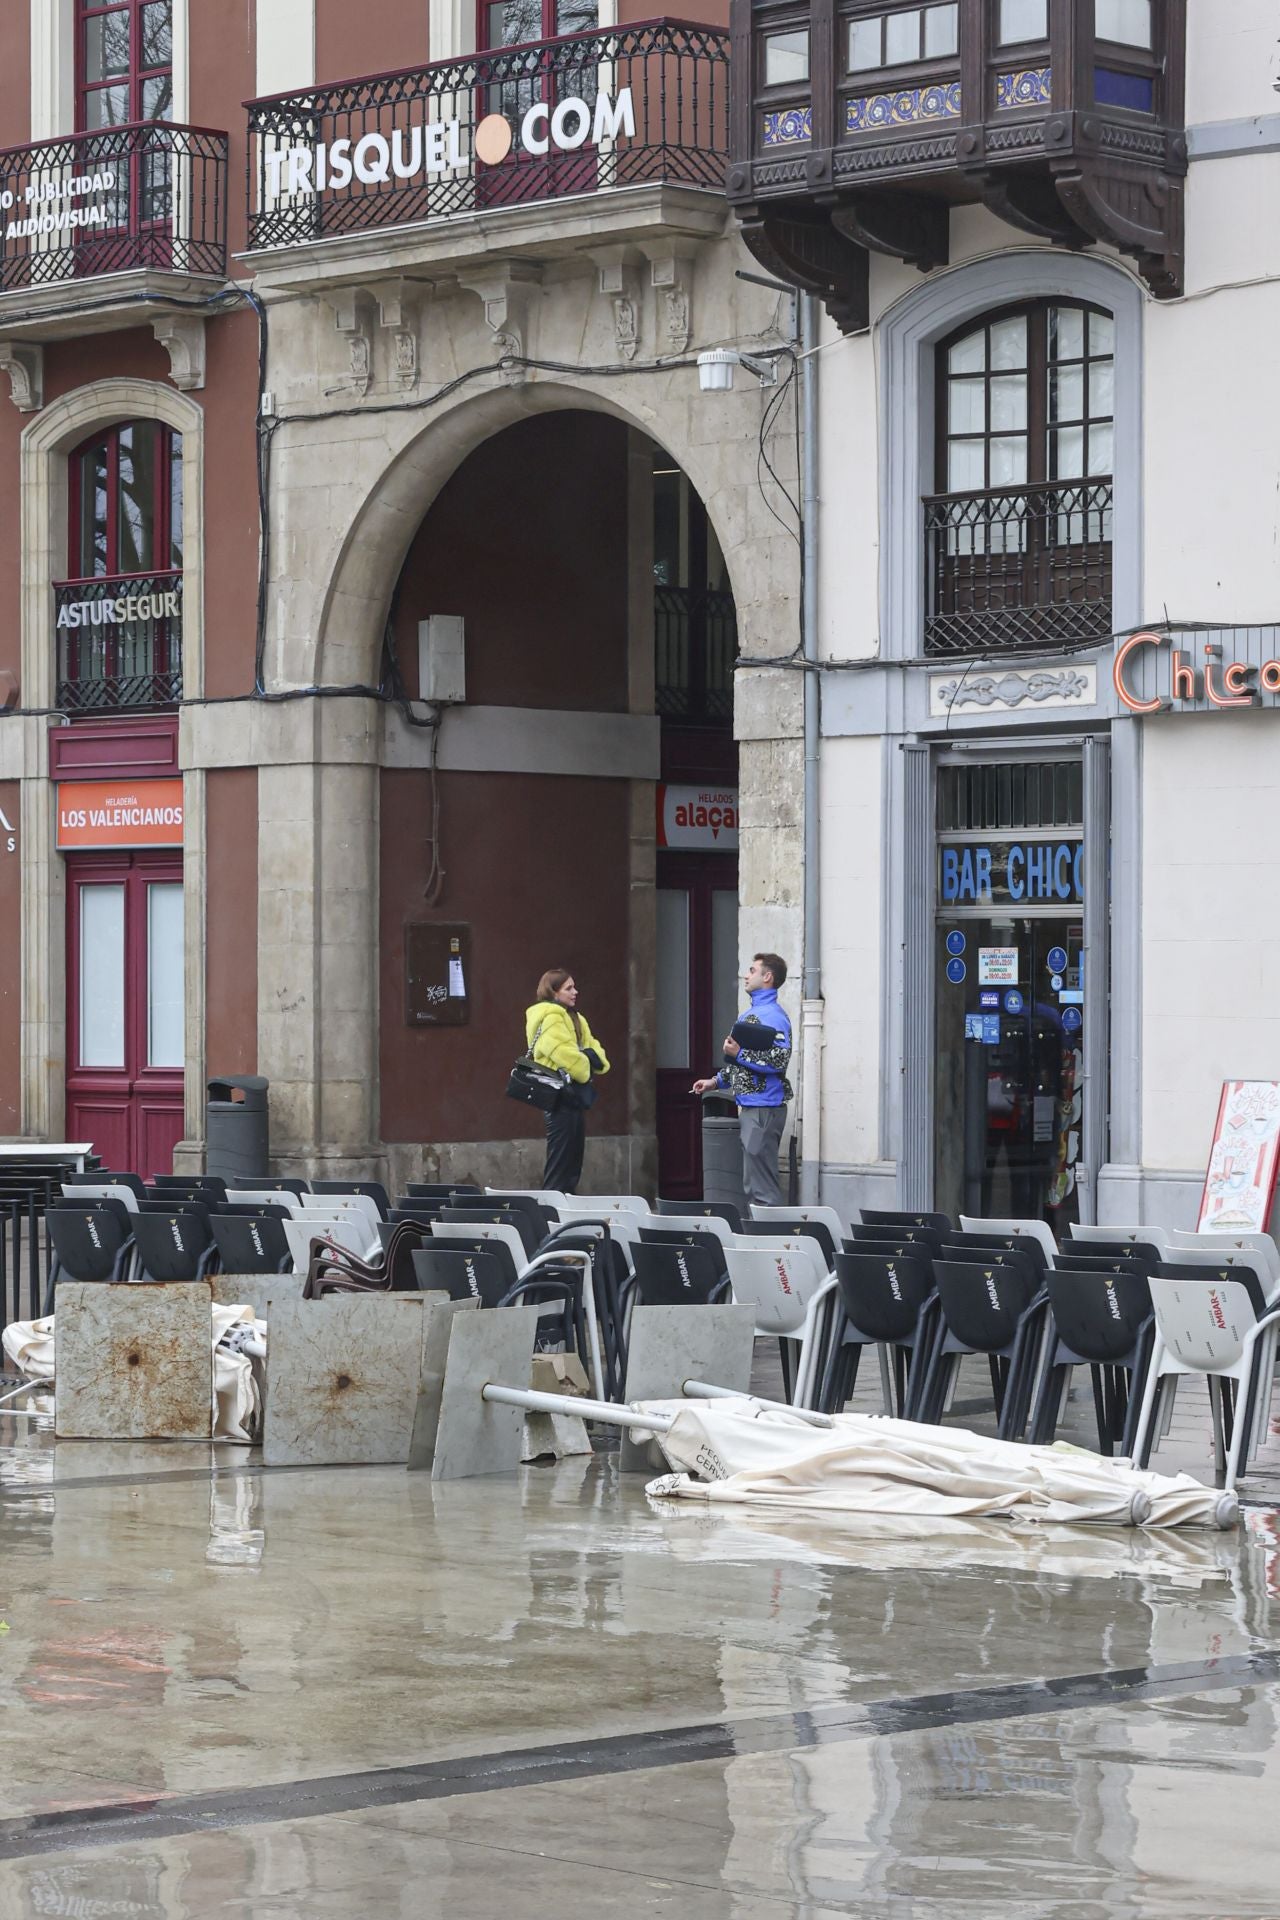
(1041, 234)
(377, 571)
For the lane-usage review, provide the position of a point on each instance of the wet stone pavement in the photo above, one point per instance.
(348, 1692)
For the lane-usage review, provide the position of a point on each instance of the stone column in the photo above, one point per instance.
(642, 836)
(318, 944)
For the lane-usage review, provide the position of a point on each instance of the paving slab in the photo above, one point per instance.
(342, 1380)
(134, 1363)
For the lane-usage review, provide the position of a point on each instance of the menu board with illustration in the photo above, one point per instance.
(1241, 1177)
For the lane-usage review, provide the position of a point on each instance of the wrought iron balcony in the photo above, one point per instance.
(866, 121)
(695, 647)
(119, 643)
(150, 198)
(587, 113)
(1018, 569)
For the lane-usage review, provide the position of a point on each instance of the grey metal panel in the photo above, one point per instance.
(1097, 971)
(917, 979)
(1227, 139)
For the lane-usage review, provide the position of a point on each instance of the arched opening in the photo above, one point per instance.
(569, 572)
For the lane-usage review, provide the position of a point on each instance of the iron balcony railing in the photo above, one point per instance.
(695, 648)
(119, 642)
(613, 108)
(1018, 568)
(113, 201)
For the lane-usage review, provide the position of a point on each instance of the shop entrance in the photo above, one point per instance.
(1010, 1006)
(125, 1008)
(697, 1002)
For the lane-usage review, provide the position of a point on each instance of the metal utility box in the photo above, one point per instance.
(437, 974)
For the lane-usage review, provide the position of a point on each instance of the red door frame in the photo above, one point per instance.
(148, 1101)
(679, 1113)
(137, 75)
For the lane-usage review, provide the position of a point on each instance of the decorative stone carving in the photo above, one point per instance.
(182, 337)
(670, 272)
(349, 306)
(1043, 686)
(25, 368)
(398, 301)
(507, 292)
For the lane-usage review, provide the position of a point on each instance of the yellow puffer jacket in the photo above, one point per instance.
(557, 1044)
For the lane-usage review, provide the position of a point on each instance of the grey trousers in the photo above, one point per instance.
(760, 1129)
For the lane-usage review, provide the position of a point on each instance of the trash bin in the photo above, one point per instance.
(721, 1152)
(236, 1127)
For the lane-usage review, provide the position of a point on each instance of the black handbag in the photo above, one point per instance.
(534, 1085)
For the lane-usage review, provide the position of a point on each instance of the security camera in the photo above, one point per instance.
(716, 365)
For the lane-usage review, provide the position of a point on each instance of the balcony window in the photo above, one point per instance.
(1125, 22)
(1023, 20)
(1019, 535)
(904, 38)
(119, 612)
(125, 62)
(786, 58)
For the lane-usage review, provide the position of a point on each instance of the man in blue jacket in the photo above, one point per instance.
(757, 1079)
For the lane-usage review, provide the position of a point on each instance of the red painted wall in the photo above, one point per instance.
(221, 70)
(375, 36)
(528, 542)
(15, 74)
(231, 941)
(538, 867)
(10, 959)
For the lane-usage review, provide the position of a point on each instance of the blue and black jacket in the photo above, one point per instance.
(758, 1078)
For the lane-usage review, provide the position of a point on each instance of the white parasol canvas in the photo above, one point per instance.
(738, 1451)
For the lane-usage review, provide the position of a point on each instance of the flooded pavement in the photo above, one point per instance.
(351, 1692)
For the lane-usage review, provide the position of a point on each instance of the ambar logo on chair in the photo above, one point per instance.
(111, 813)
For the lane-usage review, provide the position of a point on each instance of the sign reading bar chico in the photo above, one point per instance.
(1007, 873)
(435, 146)
(119, 814)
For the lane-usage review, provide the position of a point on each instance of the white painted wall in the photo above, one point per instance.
(1211, 921)
(286, 45)
(1233, 59)
(852, 918)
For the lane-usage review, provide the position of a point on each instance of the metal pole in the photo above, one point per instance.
(812, 1010)
(580, 1409)
(703, 1390)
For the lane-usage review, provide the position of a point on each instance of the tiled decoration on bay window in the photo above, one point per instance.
(1032, 87)
(907, 108)
(789, 127)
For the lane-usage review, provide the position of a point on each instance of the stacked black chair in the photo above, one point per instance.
(493, 1279)
(374, 1189)
(675, 1276)
(887, 1299)
(1101, 1318)
(440, 1190)
(710, 1209)
(710, 1243)
(91, 1243)
(174, 1242)
(251, 1239)
(895, 1217)
(993, 1305)
(102, 1178)
(795, 1229)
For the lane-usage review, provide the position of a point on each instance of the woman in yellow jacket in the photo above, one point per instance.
(558, 1036)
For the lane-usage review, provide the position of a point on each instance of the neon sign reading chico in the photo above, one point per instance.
(1236, 684)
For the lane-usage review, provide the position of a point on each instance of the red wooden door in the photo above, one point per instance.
(697, 993)
(125, 1008)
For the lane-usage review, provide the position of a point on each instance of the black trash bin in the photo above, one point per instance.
(236, 1128)
(722, 1152)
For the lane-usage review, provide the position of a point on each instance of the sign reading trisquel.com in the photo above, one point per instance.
(437, 146)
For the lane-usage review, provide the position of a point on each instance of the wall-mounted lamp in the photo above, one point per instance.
(716, 365)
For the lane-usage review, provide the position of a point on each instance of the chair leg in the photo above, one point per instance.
(784, 1356)
(1099, 1407)
(1219, 1442)
(887, 1370)
(1044, 1419)
(1141, 1448)
(833, 1362)
(1239, 1454)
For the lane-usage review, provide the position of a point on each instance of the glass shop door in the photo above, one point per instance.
(1009, 1076)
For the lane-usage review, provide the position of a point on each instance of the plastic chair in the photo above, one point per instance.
(798, 1229)
(252, 1242)
(710, 1209)
(90, 1243)
(1212, 1327)
(992, 1308)
(897, 1217)
(676, 1276)
(860, 1234)
(90, 1182)
(191, 1186)
(887, 1300)
(1028, 1229)
(1102, 1319)
(1224, 1245)
(439, 1189)
(792, 1217)
(1155, 1236)
(174, 1243)
(486, 1272)
(371, 1189)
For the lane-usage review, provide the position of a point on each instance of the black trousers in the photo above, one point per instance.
(566, 1139)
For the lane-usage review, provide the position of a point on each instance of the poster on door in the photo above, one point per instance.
(997, 966)
(1240, 1181)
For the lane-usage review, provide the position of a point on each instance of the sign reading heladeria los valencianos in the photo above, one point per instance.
(115, 813)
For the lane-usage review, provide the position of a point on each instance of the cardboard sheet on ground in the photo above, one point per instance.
(740, 1452)
(237, 1410)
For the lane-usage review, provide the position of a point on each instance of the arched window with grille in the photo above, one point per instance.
(119, 610)
(1018, 533)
